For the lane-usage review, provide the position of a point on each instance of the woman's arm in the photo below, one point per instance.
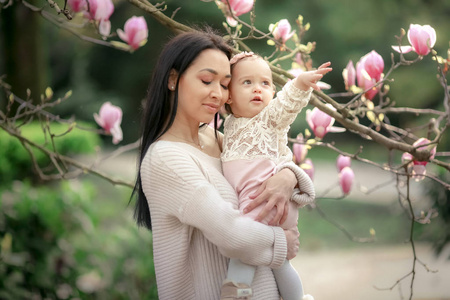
(195, 201)
(290, 183)
(276, 191)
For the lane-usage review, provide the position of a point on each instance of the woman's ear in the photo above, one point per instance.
(173, 77)
(229, 101)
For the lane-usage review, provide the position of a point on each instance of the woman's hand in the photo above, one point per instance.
(292, 241)
(276, 191)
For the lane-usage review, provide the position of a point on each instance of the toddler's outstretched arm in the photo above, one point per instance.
(309, 79)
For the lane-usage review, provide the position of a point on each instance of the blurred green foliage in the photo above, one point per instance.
(15, 161)
(68, 241)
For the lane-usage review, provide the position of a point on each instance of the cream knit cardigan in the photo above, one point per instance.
(196, 226)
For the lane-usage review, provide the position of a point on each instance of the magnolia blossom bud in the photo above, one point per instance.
(321, 123)
(77, 5)
(342, 162)
(100, 9)
(135, 32)
(374, 65)
(346, 177)
(240, 7)
(299, 149)
(349, 75)
(419, 167)
(308, 167)
(235, 8)
(369, 70)
(110, 118)
(282, 31)
(422, 144)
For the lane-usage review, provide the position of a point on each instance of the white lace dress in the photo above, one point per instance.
(254, 147)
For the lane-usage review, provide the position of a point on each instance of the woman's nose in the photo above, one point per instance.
(216, 92)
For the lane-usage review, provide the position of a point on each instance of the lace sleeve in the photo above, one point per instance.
(288, 104)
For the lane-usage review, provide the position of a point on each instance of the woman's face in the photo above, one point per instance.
(203, 87)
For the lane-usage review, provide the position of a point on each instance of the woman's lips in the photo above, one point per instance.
(211, 107)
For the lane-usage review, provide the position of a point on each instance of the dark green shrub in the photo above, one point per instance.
(70, 241)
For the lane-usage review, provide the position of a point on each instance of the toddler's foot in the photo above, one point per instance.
(308, 297)
(232, 291)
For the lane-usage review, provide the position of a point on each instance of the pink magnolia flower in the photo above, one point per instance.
(420, 144)
(373, 64)
(342, 162)
(419, 167)
(369, 70)
(238, 7)
(349, 75)
(321, 123)
(407, 157)
(109, 118)
(346, 177)
(299, 149)
(135, 32)
(77, 5)
(101, 11)
(421, 38)
(308, 167)
(282, 31)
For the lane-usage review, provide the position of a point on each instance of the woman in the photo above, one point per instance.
(182, 194)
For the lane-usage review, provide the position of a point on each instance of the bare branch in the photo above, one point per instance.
(69, 161)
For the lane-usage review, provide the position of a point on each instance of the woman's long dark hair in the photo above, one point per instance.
(160, 108)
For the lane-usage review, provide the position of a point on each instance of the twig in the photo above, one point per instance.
(342, 228)
(70, 161)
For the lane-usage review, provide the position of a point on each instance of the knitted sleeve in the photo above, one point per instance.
(305, 193)
(182, 190)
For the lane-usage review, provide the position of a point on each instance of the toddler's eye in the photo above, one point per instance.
(266, 83)
(247, 81)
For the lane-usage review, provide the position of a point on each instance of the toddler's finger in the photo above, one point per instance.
(324, 65)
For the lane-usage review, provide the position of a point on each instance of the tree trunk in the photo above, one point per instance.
(24, 61)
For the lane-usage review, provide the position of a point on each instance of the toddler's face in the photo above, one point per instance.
(251, 87)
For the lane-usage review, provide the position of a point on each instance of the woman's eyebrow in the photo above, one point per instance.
(214, 72)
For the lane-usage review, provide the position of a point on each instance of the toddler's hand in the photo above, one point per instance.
(309, 79)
